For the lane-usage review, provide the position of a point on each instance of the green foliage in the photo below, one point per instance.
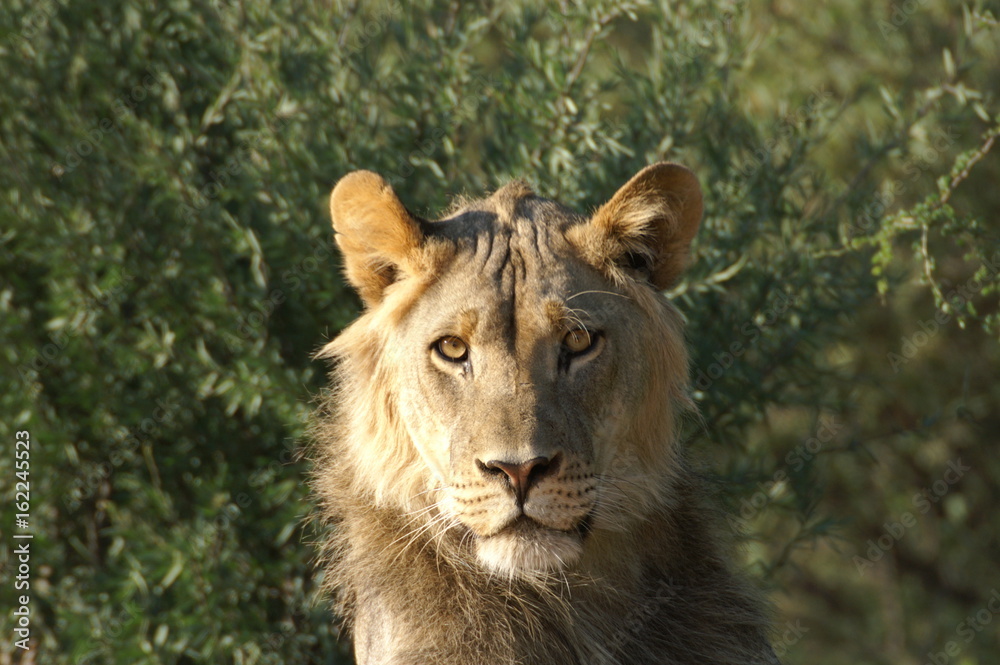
(167, 269)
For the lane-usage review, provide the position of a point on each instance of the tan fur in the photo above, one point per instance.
(611, 556)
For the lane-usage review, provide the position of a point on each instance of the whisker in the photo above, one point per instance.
(607, 293)
(613, 480)
(419, 529)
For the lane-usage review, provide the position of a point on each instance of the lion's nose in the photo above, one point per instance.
(523, 475)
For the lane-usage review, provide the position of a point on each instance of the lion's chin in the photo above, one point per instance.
(528, 550)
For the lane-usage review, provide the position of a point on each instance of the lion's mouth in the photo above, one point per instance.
(527, 548)
(526, 526)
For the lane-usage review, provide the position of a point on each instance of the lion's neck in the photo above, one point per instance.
(633, 598)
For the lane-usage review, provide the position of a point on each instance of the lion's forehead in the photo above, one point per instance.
(510, 262)
(492, 231)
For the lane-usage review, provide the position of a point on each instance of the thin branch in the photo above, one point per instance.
(581, 58)
(940, 203)
(976, 157)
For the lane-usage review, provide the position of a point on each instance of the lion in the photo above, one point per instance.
(498, 457)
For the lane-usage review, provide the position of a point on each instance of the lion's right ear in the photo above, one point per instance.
(377, 235)
(647, 226)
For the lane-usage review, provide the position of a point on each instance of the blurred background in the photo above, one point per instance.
(167, 270)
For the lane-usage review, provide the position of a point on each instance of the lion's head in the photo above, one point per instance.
(516, 374)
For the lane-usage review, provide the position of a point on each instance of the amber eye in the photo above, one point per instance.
(452, 349)
(577, 340)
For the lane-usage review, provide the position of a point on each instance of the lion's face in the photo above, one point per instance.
(527, 371)
(522, 363)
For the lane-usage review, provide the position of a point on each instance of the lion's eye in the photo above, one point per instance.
(577, 341)
(452, 349)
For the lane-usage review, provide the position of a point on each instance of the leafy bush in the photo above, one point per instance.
(168, 268)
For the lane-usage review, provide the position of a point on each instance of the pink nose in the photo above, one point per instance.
(521, 476)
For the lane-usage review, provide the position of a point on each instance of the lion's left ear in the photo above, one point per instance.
(647, 225)
(376, 233)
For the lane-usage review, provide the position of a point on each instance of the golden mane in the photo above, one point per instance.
(444, 545)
